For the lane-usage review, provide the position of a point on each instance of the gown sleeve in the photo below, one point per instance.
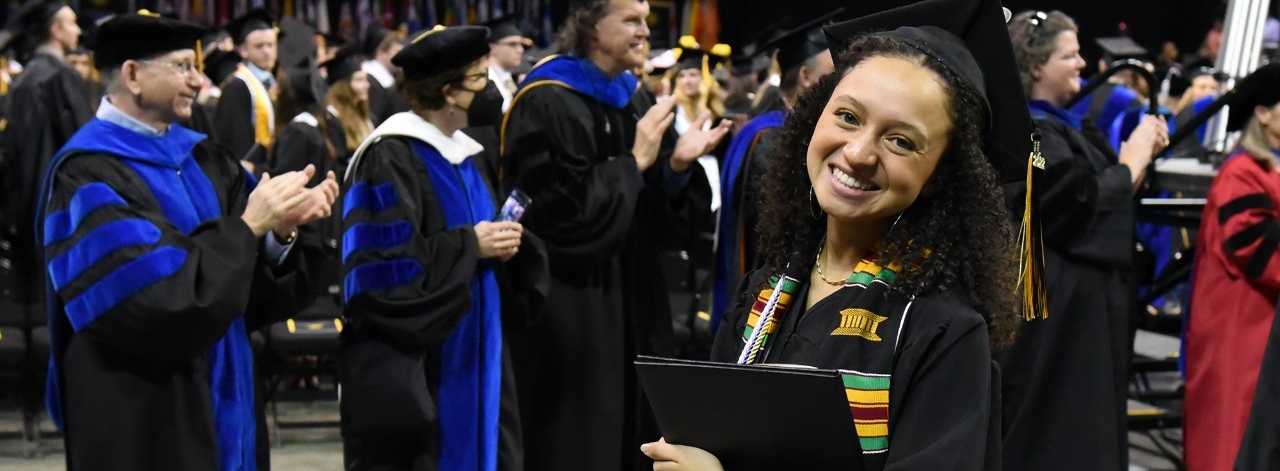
(583, 206)
(407, 279)
(1248, 217)
(1081, 205)
(132, 282)
(233, 118)
(941, 409)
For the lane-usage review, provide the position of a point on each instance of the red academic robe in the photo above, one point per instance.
(1236, 283)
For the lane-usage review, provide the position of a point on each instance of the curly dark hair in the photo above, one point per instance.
(962, 222)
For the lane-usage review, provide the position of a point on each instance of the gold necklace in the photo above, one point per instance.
(817, 263)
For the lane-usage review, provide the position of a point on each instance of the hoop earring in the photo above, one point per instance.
(895, 224)
(813, 202)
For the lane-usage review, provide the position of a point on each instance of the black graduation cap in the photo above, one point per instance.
(1260, 88)
(35, 15)
(141, 35)
(971, 39)
(691, 54)
(306, 84)
(220, 64)
(255, 20)
(1180, 79)
(372, 38)
(1121, 47)
(798, 44)
(503, 27)
(441, 49)
(297, 43)
(344, 64)
(749, 61)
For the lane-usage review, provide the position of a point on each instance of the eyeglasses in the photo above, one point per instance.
(187, 69)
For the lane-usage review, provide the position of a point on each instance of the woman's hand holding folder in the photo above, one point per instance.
(668, 457)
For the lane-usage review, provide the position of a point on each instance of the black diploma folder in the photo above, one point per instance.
(754, 417)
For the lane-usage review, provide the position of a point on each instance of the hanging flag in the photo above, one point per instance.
(709, 23)
(689, 18)
(472, 16)
(482, 7)
(433, 18)
(322, 16)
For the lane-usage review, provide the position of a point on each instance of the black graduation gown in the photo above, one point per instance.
(384, 102)
(943, 388)
(604, 224)
(412, 319)
(297, 145)
(1065, 377)
(233, 119)
(46, 105)
(136, 381)
(1260, 448)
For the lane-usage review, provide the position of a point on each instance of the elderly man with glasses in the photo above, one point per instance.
(163, 254)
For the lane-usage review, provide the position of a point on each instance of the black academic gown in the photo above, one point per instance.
(1065, 377)
(384, 102)
(1260, 448)
(604, 224)
(297, 145)
(233, 119)
(943, 389)
(398, 426)
(46, 105)
(136, 390)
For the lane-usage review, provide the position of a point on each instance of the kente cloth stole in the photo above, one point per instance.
(264, 114)
(869, 315)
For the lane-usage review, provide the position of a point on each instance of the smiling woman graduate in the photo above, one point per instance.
(875, 166)
(163, 255)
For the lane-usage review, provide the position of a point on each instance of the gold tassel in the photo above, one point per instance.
(199, 58)
(1031, 242)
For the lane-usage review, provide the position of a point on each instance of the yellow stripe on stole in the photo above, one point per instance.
(264, 121)
(872, 430)
(858, 396)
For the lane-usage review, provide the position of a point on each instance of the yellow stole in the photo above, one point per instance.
(264, 113)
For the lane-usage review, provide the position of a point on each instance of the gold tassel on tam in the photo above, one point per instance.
(199, 58)
(1031, 241)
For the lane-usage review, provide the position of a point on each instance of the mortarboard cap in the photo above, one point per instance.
(1260, 88)
(297, 43)
(749, 61)
(373, 38)
(307, 86)
(1121, 47)
(220, 64)
(690, 55)
(971, 38)
(35, 15)
(255, 20)
(442, 49)
(798, 44)
(503, 27)
(141, 35)
(344, 64)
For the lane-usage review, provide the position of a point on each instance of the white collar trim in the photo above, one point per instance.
(455, 149)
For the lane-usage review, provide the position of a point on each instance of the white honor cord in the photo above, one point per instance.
(765, 316)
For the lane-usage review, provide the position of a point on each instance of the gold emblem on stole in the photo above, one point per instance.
(859, 322)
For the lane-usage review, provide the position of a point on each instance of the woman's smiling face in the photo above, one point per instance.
(878, 140)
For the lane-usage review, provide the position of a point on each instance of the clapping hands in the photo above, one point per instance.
(284, 202)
